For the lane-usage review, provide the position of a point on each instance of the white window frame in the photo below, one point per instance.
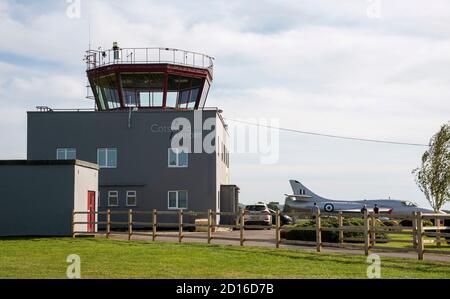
(135, 198)
(109, 197)
(106, 157)
(65, 149)
(177, 152)
(177, 193)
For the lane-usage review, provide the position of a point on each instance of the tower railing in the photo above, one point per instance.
(49, 109)
(99, 58)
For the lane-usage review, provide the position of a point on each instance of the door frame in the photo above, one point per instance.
(91, 204)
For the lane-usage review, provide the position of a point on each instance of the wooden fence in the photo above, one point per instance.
(154, 224)
(369, 230)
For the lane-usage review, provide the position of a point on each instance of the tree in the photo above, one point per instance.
(273, 205)
(433, 176)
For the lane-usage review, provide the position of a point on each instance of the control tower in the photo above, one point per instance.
(139, 93)
(149, 78)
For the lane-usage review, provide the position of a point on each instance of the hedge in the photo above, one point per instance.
(293, 233)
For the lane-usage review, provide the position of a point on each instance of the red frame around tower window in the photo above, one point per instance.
(167, 69)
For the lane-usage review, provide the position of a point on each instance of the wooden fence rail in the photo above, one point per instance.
(369, 230)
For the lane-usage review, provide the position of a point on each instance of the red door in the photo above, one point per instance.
(91, 208)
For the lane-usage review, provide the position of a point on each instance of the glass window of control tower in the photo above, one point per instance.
(106, 89)
(184, 89)
(143, 89)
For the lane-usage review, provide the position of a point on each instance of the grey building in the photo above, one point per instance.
(38, 197)
(147, 133)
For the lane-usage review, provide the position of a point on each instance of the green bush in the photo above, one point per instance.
(408, 223)
(390, 223)
(292, 232)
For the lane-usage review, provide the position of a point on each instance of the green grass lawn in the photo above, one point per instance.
(102, 258)
(430, 247)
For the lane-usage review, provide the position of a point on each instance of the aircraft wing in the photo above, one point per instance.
(299, 197)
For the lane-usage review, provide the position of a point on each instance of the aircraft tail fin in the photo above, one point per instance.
(301, 190)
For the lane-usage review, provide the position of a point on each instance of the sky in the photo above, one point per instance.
(363, 68)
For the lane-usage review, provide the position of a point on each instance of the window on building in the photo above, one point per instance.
(178, 199)
(107, 157)
(150, 99)
(106, 90)
(130, 98)
(113, 198)
(178, 157)
(66, 154)
(131, 198)
(184, 89)
(172, 98)
(173, 202)
(143, 89)
(204, 94)
(223, 152)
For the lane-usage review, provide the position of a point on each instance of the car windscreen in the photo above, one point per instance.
(255, 208)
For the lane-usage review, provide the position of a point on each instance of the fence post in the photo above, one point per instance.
(213, 222)
(277, 229)
(130, 224)
(154, 225)
(437, 223)
(236, 220)
(420, 247)
(241, 228)
(366, 233)
(108, 223)
(73, 224)
(318, 232)
(341, 227)
(414, 229)
(180, 228)
(209, 225)
(372, 229)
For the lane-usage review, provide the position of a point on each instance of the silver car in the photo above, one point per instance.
(257, 214)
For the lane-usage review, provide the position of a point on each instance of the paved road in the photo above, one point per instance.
(266, 238)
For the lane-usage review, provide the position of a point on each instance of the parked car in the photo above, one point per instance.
(284, 219)
(257, 214)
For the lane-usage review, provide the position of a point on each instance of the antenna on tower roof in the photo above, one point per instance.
(89, 29)
(88, 57)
